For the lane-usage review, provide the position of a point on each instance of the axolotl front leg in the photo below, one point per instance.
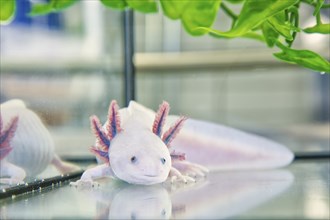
(11, 174)
(91, 174)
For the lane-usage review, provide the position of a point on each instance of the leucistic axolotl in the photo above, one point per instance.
(27, 147)
(136, 150)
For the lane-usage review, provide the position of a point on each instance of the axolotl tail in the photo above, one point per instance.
(223, 148)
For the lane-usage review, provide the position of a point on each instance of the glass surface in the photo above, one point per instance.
(301, 191)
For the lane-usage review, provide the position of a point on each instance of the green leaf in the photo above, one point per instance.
(145, 6)
(117, 4)
(7, 11)
(199, 14)
(255, 36)
(320, 28)
(305, 58)
(193, 14)
(235, 1)
(40, 9)
(251, 35)
(174, 8)
(280, 25)
(59, 5)
(254, 13)
(269, 33)
(52, 6)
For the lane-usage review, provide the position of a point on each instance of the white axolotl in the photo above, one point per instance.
(26, 146)
(136, 150)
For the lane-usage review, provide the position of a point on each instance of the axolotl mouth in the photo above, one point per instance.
(151, 175)
(146, 179)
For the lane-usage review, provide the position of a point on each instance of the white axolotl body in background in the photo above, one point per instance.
(29, 148)
(136, 150)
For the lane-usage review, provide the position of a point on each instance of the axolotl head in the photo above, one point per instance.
(139, 157)
(137, 154)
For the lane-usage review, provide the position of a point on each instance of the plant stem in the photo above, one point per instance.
(314, 4)
(294, 20)
(318, 18)
(229, 12)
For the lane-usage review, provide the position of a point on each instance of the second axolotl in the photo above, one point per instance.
(134, 147)
(26, 145)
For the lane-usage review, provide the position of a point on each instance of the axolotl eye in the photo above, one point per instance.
(133, 159)
(163, 160)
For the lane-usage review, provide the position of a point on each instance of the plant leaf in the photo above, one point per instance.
(255, 36)
(269, 33)
(40, 9)
(145, 6)
(52, 6)
(59, 5)
(200, 14)
(254, 13)
(193, 14)
(235, 1)
(116, 4)
(7, 11)
(173, 8)
(305, 58)
(319, 28)
(278, 23)
(251, 35)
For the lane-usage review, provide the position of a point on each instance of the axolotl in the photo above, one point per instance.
(26, 145)
(134, 147)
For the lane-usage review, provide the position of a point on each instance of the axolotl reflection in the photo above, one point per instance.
(225, 195)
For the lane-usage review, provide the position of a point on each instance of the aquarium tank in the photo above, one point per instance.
(260, 66)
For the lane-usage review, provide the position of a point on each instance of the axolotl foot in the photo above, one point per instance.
(184, 171)
(84, 184)
(11, 181)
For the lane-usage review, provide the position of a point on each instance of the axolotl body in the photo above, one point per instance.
(135, 149)
(26, 145)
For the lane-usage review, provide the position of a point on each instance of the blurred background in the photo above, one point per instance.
(68, 66)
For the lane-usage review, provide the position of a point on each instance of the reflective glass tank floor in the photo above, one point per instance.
(299, 191)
